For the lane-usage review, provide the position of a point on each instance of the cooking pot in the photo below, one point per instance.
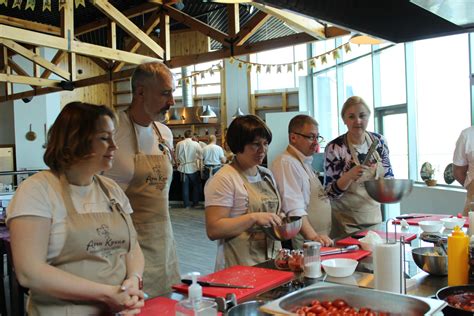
(250, 308)
(450, 290)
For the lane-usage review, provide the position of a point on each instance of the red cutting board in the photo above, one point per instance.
(354, 241)
(260, 278)
(160, 306)
(356, 255)
(429, 217)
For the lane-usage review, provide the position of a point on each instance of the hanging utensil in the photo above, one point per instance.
(30, 135)
(45, 136)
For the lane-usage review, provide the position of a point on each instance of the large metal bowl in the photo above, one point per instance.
(426, 260)
(285, 231)
(250, 308)
(388, 190)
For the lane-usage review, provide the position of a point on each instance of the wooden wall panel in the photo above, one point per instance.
(96, 94)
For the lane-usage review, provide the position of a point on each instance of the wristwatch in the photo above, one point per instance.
(140, 281)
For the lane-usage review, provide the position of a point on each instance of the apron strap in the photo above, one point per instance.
(66, 195)
(369, 140)
(293, 153)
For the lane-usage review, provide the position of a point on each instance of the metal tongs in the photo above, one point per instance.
(340, 250)
(372, 147)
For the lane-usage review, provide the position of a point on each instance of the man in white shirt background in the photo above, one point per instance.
(301, 192)
(213, 157)
(188, 157)
(463, 165)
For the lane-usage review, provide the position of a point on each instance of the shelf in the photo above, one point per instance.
(193, 124)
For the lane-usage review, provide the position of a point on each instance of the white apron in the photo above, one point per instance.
(318, 208)
(253, 246)
(95, 249)
(469, 198)
(148, 194)
(355, 209)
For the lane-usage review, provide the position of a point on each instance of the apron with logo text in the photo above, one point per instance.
(318, 208)
(253, 246)
(148, 194)
(355, 209)
(95, 248)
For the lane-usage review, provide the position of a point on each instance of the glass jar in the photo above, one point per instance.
(281, 260)
(312, 259)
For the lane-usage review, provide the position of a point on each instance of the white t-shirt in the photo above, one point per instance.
(293, 182)
(123, 167)
(212, 154)
(40, 195)
(188, 152)
(464, 153)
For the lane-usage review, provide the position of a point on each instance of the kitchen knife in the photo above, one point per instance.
(216, 284)
(370, 152)
(340, 250)
(410, 216)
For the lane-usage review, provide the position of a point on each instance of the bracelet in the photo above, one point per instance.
(140, 280)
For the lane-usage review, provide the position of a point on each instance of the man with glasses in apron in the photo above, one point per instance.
(143, 168)
(301, 192)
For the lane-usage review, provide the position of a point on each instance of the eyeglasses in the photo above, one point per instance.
(311, 137)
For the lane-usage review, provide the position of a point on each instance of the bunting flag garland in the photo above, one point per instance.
(31, 4)
(249, 66)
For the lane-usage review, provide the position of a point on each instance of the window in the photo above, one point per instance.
(392, 76)
(283, 79)
(209, 84)
(442, 98)
(325, 102)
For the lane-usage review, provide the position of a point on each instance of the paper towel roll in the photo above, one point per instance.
(471, 223)
(387, 267)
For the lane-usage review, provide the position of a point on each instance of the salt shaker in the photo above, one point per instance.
(312, 259)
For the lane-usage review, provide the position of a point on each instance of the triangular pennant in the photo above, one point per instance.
(278, 69)
(219, 66)
(231, 60)
(335, 54)
(259, 68)
(5, 2)
(17, 4)
(324, 59)
(347, 47)
(62, 4)
(312, 63)
(300, 65)
(249, 67)
(47, 5)
(289, 68)
(186, 80)
(269, 69)
(240, 65)
(203, 75)
(211, 72)
(30, 4)
(77, 3)
(180, 81)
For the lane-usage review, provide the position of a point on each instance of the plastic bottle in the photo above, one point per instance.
(195, 305)
(471, 260)
(458, 258)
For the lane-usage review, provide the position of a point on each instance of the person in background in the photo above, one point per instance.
(188, 157)
(72, 239)
(301, 192)
(242, 197)
(196, 139)
(463, 165)
(143, 168)
(212, 157)
(352, 207)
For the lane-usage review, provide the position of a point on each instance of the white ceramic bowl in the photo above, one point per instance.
(431, 226)
(340, 267)
(451, 222)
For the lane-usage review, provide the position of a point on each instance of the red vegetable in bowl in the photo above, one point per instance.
(464, 301)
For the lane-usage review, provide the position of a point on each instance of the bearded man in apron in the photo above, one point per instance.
(352, 208)
(242, 197)
(300, 189)
(463, 165)
(143, 168)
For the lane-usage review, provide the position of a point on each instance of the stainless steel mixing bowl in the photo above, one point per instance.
(250, 308)
(388, 190)
(285, 231)
(427, 260)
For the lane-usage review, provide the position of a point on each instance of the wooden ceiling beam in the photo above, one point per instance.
(196, 25)
(299, 22)
(32, 81)
(35, 58)
(233, 19)
(334, 31)
(55, 61)
(133, 45)
(165, 37)
(130, 13)
(128, 26)
(86, 49)
(252, 26)
(29, 25)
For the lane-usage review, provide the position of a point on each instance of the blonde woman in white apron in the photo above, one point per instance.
(73, 242)
(300, 189)
(352, 208)
(242, 197)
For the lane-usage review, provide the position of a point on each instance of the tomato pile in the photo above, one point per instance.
(337, 307)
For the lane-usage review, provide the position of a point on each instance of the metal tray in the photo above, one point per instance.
(395, 304)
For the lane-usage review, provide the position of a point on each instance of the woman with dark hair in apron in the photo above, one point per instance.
(242, 197)
(73, 242)
(352, 207)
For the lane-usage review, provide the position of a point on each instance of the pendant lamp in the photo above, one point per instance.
(174, 116)
(208, 112)
(238, 113)
(362, 39)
